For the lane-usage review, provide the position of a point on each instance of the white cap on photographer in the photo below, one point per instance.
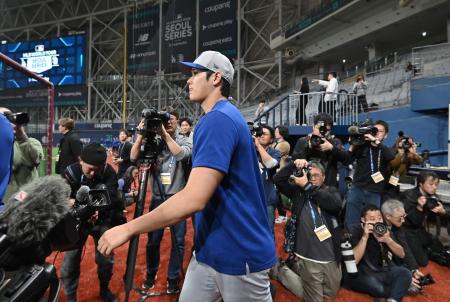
(213, 61)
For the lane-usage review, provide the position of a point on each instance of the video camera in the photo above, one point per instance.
(153, 121)
(19, 118)
(38, 222)
(357, 132)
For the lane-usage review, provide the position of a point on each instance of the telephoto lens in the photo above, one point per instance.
(348, 257)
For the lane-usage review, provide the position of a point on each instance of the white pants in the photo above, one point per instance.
(204, 284)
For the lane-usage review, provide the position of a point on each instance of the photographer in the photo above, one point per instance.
(173, 178)
(372, 158)
(317, 237)
(374, 249)
(92, 171)
(420, 202)
(28, 154)
(6, 155)
(269, 159)
(322, 146)
(122, 157)
(394, 215)
(405, 150)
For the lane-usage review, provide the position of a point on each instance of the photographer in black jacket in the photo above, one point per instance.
(92, 171)
(317, 236)
(321, 146)
(372, 158)
(420, 202)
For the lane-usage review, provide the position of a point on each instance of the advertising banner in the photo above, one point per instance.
(218, 26)
(178, 34)
(143, 40)
(74, 95)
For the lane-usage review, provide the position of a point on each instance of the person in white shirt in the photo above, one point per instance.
(332, 89)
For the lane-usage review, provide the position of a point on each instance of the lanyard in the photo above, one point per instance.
(120, 149)
(172, 161)
(371, 160)
(313, 215)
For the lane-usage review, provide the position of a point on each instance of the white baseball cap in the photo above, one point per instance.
(213, 61)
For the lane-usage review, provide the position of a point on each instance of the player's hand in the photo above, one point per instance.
(112, 239)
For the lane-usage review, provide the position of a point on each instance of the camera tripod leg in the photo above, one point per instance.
(148, 165)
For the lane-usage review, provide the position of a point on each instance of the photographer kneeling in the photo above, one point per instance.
(394, 215)
(176, 150)
(92, 171)
(420, 202)
(315, 243)
(374, 250)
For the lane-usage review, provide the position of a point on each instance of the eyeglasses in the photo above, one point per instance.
(400, 217)
(315, 176)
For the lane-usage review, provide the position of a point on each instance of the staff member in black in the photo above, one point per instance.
(122, 159)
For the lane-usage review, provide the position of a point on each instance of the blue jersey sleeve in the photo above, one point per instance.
(215, 139)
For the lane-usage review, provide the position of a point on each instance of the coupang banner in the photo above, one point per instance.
(218, 26)
(178, 43)
(143, 40)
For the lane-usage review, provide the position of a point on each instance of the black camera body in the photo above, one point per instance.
(357, 132)
(380, 228)
(432, 202)
(153, 121)
(255, 131)
(426, 280)
(299, 173)
(315, 141)
(19, 118)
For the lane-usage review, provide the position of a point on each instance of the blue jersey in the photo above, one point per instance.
(6, 154)
(232, 234)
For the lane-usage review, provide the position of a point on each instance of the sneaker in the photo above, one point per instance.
(149, 283)
(107, 295)
(172, 286)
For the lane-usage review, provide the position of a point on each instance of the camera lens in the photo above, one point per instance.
(380, 228)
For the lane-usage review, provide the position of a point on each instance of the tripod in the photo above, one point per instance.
(147, 165)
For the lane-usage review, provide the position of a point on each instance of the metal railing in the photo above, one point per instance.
(299, 109)
(427, 54)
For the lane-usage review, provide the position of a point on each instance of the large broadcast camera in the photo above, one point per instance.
(35, 222)
(20, 118)
(153, 121)
(357, 132)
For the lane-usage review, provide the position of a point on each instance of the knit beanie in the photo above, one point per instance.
(94, 154)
